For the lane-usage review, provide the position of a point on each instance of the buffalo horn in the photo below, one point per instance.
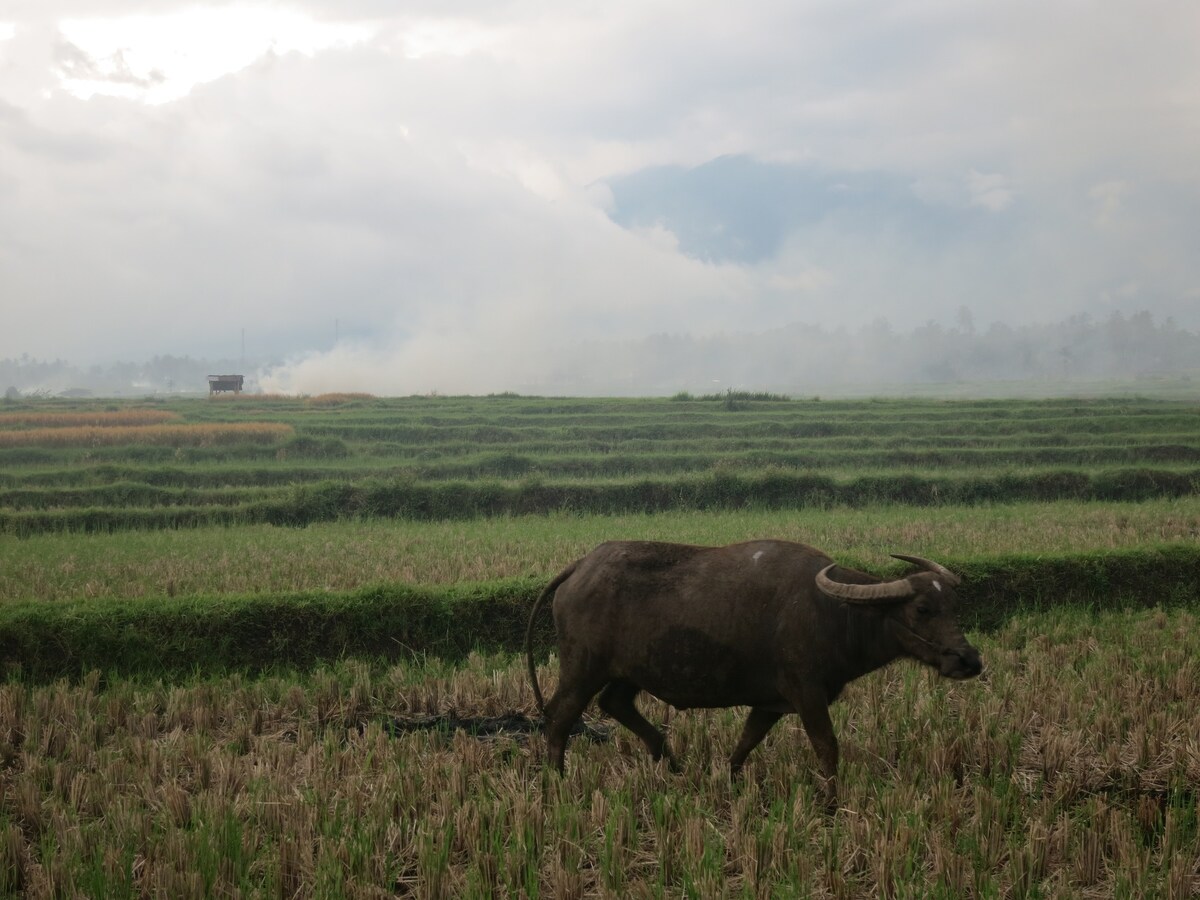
(930, 566)
(863, 593)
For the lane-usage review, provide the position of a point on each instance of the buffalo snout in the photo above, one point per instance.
(962, 663)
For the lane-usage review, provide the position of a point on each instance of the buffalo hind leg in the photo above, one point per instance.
(562, 712)
(759, 722)
(617, 700)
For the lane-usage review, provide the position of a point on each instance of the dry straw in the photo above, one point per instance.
(97, 418)
(1069, 770)
(337, 399)
(199, 435)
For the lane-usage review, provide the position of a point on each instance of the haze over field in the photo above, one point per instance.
(479, 197)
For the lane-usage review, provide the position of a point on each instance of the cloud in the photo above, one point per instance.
(75, 65)
(324, 212)
(1108, 198)
(991, 192)
(101, 54)
(470, 190)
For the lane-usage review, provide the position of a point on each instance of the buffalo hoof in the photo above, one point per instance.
(829, 796)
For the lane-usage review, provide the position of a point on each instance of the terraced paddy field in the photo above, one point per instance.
(248, 644)
(297, 462)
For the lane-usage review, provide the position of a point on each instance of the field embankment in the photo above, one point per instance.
(172, 635)
(347, 555)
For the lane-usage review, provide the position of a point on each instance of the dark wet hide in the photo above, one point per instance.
(514, 725)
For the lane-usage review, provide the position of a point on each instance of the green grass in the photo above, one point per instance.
(540, 461)
(306, 504)
(349, 555)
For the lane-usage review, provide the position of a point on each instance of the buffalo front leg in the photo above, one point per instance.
(758, 723)
(814, 713)
(617, 700)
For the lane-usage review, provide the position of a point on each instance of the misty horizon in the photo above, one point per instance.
(794, 359)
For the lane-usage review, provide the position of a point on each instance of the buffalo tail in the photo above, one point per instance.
(537, 605)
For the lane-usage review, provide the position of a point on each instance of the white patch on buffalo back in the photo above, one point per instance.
(937, 584)
(757, 555)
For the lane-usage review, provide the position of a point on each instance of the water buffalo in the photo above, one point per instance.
(773, 625)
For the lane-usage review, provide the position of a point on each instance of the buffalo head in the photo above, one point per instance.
(922, 613)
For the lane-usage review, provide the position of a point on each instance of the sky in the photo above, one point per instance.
(454, 196)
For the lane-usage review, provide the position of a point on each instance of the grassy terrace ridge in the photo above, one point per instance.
(174, 635)
(304, 504)
(39, 460)
(347, 556)
(173, 434)
(91, 488)
(731, 426)
(430, 459)
(592, 465)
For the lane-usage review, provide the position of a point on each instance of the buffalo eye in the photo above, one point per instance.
(926, 608)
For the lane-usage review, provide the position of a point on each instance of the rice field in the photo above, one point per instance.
(297, 462)
(1069, 769)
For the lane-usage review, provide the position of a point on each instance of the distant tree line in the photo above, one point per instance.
(162, 374)
(799, 355)
(793, 359)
